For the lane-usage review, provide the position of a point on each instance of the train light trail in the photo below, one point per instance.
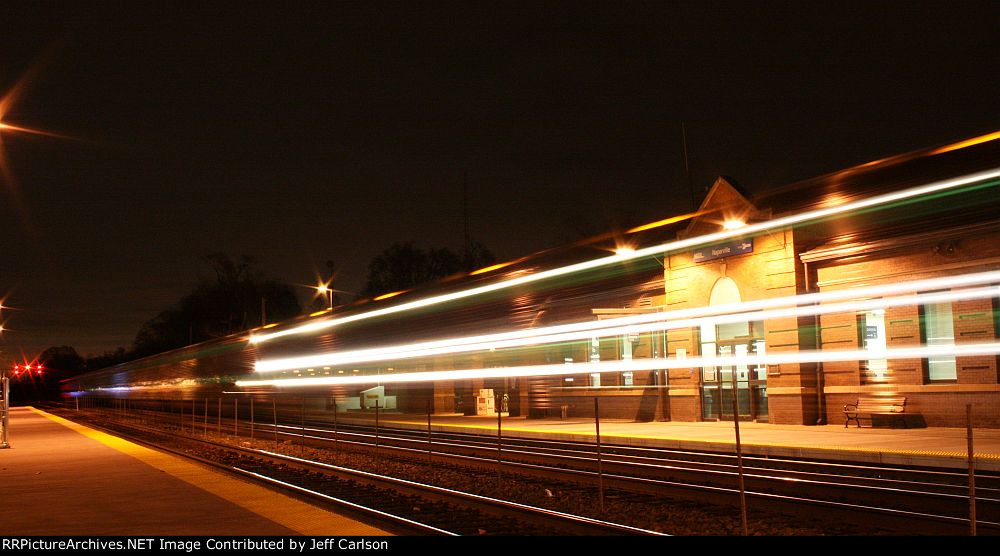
(814, 304)
(986, 178)
(494, 267)
(563, 369)
(968, 142)
(665, 222)
(613, 328)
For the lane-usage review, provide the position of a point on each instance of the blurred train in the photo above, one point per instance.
(545, 334)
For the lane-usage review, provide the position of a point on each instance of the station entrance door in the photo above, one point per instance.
(747, 382)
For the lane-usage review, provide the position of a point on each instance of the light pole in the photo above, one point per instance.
(326, 291)
(4, 409)
(4, 402)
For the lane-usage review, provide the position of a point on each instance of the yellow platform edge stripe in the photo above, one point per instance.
(303, 518)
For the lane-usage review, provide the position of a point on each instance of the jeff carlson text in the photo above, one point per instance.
(297, 545)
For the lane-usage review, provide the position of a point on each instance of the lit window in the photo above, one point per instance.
(871, 328)
(938, 329)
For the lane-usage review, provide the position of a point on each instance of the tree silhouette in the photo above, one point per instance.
(64, 359)
(107, 359)
(404, 265)
(226, 305)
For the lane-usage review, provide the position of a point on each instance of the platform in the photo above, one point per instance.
(932, 447)
(62, 478)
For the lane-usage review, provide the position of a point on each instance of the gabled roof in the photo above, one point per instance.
(726, 200)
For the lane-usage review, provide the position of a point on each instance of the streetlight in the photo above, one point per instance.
(327, 291)
(324, 290)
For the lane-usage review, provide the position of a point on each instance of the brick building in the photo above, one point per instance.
(927, 236)
(929, 214)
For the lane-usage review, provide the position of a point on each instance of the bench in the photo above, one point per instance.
(882, 409)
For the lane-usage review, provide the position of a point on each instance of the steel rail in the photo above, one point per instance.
(299, 433)
(487, 442)
(273, 482)
(562, 518)
(646, 481)
(787, 475)
(764, 474)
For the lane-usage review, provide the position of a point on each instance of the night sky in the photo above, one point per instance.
(304, 132)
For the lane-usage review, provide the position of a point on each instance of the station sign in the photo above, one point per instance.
(723, 250)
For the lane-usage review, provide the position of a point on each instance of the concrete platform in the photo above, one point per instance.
(62, 478)
(934, 447)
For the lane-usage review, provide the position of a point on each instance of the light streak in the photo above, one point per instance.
(9, 127)
(968, 142)
(562, 369)
(666, 221)
(736, 312)
(492, 268)
(750, 229)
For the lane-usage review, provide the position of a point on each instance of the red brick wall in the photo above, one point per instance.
(940, 404)
(939, 409)
(772, 270)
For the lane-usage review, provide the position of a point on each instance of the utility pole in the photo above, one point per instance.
(687, 168)
(4, 409)
(465, 213)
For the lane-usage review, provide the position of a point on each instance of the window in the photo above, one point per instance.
(760, 369)
(938, 329)
(628, 342)
(871, 329)
(707, 342)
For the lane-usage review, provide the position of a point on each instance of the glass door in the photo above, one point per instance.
(748, 383)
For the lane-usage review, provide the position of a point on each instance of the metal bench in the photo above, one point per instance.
(882, 408)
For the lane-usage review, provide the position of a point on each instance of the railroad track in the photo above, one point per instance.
(938, 497)
(932, 501)
(407, 507)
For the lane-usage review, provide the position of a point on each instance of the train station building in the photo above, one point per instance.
(935, 237)
(932, 237)
(909, 236)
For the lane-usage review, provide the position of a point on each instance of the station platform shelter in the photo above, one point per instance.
(62, 478)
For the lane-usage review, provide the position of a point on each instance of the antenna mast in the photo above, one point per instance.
(465, 212)
(687, 168)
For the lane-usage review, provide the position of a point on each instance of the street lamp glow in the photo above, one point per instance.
(327, 292)
(733, 224)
